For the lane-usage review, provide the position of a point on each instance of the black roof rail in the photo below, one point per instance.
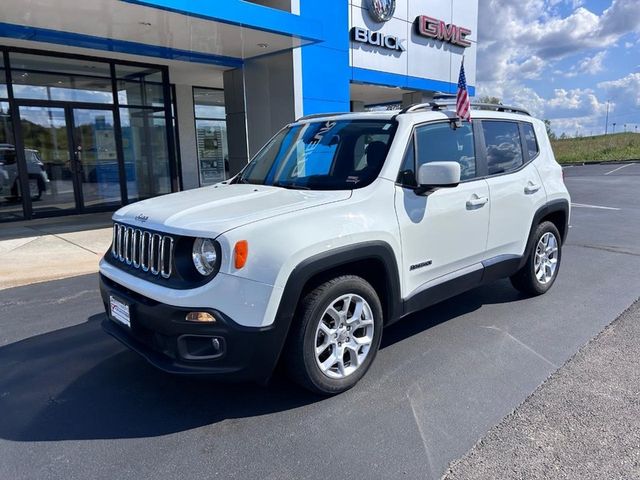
(435, 105)
(320, 115)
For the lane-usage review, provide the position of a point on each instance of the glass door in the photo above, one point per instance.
(96, 158)
(71, 157)
(50, 168)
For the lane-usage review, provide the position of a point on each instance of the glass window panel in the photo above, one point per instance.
(140, 94)
(504, 150)
(59, 65)
(10, 202)
(439, 142)
(49, 163)
(208, 103)
(532, 142)
(137, 73)
(57, 86)
(146, 156)
(213, 155)
(3, 82)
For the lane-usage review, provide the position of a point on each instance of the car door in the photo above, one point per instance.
(515, 187)
(443, 233)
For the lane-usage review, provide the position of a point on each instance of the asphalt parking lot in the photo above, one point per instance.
(75, 404)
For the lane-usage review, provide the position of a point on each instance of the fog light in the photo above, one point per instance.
(200, 317)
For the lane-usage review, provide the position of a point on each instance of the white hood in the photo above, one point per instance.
(210, 211)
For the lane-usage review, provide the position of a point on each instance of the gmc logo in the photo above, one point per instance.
(433, 28)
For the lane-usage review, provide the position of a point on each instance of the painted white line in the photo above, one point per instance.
(619, 168)
(584, 205)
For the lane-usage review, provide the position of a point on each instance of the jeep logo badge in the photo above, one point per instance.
(141, 218)
(381, 10)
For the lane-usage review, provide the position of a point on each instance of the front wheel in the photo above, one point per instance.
(336, 337)
(541, 268)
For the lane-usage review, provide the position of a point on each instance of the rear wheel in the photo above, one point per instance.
(336, 337)
(541, 268)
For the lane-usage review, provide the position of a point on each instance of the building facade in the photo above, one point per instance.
(107, 102)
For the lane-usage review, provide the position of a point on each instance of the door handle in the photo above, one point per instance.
(531, 188)
(476, 201)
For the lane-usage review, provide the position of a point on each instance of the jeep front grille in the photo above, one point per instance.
(144, 250)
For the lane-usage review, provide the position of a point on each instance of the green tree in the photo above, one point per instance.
(491, 100)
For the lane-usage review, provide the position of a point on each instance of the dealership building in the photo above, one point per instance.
(106, 102)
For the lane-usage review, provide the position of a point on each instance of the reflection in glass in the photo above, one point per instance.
(211, 135)
(40, 77)
(139, 86)
(46, 144)
(96, 157)
(213, 155)
(3, 83)
(10, 203)
(146, 156)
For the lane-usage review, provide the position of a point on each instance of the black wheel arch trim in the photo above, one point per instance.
(329, 260)
(560, 205)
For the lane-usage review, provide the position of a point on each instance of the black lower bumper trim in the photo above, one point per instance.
(158, 333)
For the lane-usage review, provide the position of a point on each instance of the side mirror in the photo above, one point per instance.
(437, 175)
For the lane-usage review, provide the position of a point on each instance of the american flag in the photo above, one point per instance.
(463, 104)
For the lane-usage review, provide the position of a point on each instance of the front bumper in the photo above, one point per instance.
(160, 333)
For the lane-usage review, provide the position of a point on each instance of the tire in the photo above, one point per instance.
(526, 280)
(327, 304)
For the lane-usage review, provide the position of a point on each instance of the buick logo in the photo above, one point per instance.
(141, 218)
(382, 10)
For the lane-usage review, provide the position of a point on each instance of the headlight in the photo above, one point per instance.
(204, 255)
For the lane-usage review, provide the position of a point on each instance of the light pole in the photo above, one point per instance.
(625, 128)
(606, 122)
(614, 127)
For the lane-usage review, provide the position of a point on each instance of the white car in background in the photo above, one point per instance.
(341, 225)
(9, 179)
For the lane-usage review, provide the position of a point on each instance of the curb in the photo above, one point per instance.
(599, 162)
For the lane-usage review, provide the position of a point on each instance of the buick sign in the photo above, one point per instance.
(377, 39)
(381, 10)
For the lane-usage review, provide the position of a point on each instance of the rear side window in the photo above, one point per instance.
(441, 142)
(504, 149)
(530, 139)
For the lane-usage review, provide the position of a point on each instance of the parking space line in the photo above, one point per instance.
(599, 207)
(619, 168)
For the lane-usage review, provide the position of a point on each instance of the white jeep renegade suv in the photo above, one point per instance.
(342, 224)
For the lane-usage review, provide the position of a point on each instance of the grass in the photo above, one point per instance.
(601, 148)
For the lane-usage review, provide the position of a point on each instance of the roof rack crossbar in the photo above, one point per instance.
(478, 106)
(319, 115)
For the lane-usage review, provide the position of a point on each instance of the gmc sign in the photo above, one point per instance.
(433, 28)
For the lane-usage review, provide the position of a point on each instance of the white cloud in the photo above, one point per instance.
(524, 39)
(588, 65)
(625, 91)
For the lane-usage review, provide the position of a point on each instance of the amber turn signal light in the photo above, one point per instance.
(205, 317)
(241, 251)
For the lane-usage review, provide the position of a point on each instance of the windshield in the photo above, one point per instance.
(327, 155)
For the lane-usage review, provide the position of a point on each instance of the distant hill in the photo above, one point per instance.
(601, 148)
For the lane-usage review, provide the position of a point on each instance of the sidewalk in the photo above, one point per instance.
(584, 422)
(53, 248)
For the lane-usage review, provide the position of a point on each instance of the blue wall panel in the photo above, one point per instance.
(325, 66)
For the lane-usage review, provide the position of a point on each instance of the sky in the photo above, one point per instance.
(563, 60)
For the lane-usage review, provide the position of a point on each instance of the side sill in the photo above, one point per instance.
(438, 290)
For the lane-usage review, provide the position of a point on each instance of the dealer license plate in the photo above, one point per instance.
(120, 311)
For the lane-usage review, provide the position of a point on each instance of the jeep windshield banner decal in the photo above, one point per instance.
(430, 27)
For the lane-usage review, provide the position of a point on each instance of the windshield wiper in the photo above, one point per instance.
(290, 185)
